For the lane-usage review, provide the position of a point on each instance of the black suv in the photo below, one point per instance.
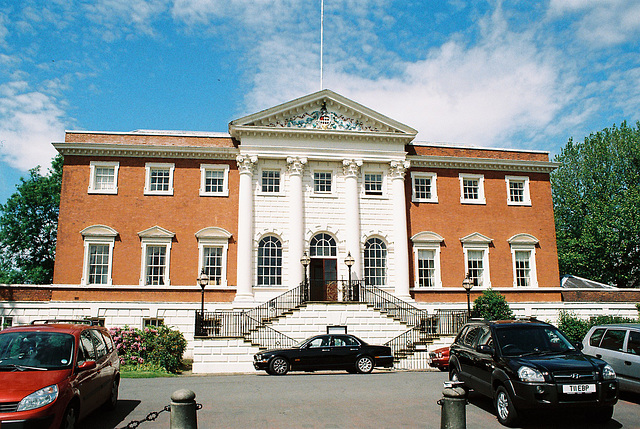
(527, 364)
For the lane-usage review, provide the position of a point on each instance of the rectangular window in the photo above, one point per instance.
(155, 265)
(472, 189)
(212, 264)
(103, 177)
(214, 180)
(373, 184)
(426, 268)
(322, 182)
(98, 264)
(159, 179)
(423, 189)
(156, 322)
(523, 268)
(518, 191)
(6, 321)
(271, 181)
(475, 266)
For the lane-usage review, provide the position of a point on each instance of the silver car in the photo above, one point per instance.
(618, 345)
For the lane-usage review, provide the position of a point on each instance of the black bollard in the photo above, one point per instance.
(183, 410)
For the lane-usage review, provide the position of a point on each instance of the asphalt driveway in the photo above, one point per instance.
(383, 399)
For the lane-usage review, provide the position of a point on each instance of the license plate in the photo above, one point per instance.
(579, 388)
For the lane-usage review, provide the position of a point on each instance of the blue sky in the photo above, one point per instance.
(511, 74)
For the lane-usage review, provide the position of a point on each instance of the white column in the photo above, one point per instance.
(352, 215)
(244, 292)
(400, 234)
(296, 220)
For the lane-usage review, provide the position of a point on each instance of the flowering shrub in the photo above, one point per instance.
(155, 347)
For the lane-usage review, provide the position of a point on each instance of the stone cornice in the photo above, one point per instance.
(465, 163)
(146, 151)
(302, 133)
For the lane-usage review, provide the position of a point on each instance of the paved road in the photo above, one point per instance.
(384, 399)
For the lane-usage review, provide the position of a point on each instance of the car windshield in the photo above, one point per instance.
(32, 351)
(531, 340)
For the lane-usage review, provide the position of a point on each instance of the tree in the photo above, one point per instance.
(492, 305)
(28, 227)
(596, 200)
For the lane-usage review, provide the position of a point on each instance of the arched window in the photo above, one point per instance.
(269, 262)
(375, 262)
(323, 245)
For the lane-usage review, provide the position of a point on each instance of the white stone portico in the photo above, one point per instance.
(320, 148)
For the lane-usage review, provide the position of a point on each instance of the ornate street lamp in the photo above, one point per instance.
(349, 261)
(467, 284)
(305, 261)
(203, 281)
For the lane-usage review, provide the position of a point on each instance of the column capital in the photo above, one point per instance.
(397, 169)
(296, 165)
(350, 167)
(246, 163)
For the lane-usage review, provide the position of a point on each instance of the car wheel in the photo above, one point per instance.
(601, 415)
(506, 412)
(113, 396)
(364, 365)
(70, 417)
(279, 366)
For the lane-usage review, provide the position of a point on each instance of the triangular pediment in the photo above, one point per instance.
(323, 111)
(476, 238)
(156, 232)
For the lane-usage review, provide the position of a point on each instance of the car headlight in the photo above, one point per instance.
(608, 373)
(39, 398)
(526, 373)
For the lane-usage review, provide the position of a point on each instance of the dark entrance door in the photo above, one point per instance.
(323, 279)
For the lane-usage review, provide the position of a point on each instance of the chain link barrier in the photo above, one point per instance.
(152, 416)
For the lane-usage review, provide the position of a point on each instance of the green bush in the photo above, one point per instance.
(150, 347)
(492, 305)
(576, 328)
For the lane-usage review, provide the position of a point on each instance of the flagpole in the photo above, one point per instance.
(321, 42)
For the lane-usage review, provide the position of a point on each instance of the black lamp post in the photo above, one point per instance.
(349, 261)
(203, 281)
(467, 284)
(305, 261)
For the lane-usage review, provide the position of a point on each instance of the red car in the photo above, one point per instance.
(54, 374)
(439, 358)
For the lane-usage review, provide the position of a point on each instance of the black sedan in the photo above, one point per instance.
(325, 352)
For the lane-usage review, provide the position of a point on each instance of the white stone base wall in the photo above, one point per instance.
(235, 355)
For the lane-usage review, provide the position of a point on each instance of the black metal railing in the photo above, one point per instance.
(281, 304)
(387, 303)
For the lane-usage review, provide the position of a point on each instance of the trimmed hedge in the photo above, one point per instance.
(152, 347)
(576, 328)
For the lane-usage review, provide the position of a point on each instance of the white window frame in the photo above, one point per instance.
(477, 241)
(333, 183)
(434, 188)
(100, 235)
(280, 185)
(155, 236)
(147, 182)
(204, 168)
(427, 240)
(92, 177)
(526, 243)
(526, 194)
(481, 197)
(385, 269)
(383, 185)
(214, 237)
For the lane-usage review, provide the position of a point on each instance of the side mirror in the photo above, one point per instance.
(87, 365)
(578, 345)
(483, 348)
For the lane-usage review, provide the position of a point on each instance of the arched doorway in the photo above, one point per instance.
(323, 270)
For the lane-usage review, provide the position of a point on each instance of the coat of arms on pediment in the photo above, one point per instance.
(323, 119)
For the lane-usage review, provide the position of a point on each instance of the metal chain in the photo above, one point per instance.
(152, 416)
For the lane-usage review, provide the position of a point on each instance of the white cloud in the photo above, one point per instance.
(601, 23)
(29, 122)
(484, 94)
